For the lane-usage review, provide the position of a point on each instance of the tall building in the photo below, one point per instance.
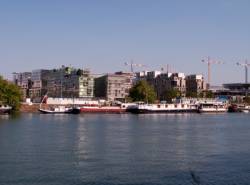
(66, 82)
(169, 81)
(195, 84)
(39, 81)
(23, 80)
(69, 82)
(139, 76)
(113, 87)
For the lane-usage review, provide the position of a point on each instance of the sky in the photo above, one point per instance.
(104, 34)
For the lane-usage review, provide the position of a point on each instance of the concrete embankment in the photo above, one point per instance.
(29, 108)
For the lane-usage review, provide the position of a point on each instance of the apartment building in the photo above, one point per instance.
(23, 80)
(195, 83)
(168, 81)
(68, 82)
(113, 87)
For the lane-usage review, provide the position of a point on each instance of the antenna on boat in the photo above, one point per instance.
(45, 96)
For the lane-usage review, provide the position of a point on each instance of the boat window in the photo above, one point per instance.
(182, 105)
(175, 106)
(166, 106)
(159, 106)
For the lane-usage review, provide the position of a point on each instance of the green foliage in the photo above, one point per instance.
(171, 94)
(128, 99)
(142, 91)
(10, 94)
(190, 94)
(68, 70)
(206, 94)
(247, 100)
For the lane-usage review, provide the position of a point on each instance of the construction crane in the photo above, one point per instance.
(168, 69)
(209, 62)
(165, 67)
(245, 65)
(132, 65)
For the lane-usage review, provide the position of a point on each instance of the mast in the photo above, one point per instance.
(62, 81)
(246, 72)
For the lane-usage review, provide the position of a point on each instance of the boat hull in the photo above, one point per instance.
(148, 111)
(5, 111)
(114, 110)
(71, 111)
(245, 110)
(75, 111)
(212, 110)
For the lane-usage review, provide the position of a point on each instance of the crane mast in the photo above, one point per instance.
(132, 65)
(209, 62)
(245, 65)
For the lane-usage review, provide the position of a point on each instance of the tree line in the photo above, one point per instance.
(143, 91)
(10, 94)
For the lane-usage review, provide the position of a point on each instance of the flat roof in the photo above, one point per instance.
(244, 85)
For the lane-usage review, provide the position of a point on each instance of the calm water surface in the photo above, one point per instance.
(207, 149)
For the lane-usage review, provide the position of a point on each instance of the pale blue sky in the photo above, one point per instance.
(102, 35)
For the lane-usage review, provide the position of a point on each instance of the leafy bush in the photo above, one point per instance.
(142, 91)
(10, 94)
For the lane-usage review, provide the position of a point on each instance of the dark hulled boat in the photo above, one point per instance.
(5, 109)
(61, 110)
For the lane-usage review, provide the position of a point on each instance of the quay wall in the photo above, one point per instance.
(29, 108)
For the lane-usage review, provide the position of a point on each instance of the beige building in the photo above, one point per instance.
(195, 83)
(168, 81)
(38, 78)
(23, 80)
(113, 87)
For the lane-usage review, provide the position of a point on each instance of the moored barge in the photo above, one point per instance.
(102, 109)
(163, 108)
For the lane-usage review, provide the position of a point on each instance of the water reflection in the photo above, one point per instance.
(125, 149)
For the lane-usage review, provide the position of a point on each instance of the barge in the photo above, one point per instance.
(215, 107)
(102, 109)
(162, 108)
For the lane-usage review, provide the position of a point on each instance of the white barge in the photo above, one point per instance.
(212, 106)
(163, 108)
(181, 106)
(244, 108)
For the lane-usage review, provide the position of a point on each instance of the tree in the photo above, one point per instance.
(10, 94)
(171, 94)
(142, 91)
(206, 94)
(191, 94)
(247, 100)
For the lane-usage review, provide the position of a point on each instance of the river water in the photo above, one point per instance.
(103, 149)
